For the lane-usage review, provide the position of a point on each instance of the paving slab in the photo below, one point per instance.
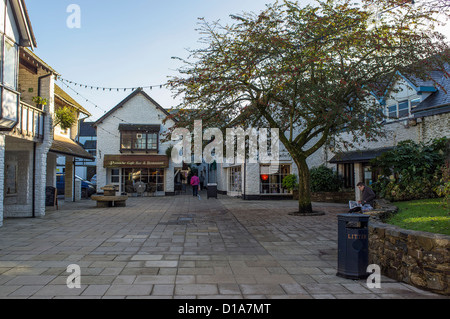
(180, 247)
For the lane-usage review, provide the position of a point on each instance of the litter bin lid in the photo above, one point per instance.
(212, 184)
(353, 217)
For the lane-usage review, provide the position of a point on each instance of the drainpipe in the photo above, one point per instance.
(245, 177)
(34, 181)
(75, 159)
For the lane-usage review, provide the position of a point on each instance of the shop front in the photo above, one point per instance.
(135, 175)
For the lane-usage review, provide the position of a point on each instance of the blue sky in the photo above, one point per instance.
(123, 43)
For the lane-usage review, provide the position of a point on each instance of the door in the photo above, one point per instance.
(115, 180)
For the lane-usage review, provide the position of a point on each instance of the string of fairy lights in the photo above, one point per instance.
(111, 89)
(68, 84)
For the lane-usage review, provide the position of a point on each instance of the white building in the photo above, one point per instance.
(250, 181)
(24, 126)
(416, 110)
(130, 148)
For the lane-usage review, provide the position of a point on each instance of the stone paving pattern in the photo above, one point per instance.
(180, 247)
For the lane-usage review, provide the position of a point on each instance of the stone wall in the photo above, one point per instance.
(333, 197)
(417, 258)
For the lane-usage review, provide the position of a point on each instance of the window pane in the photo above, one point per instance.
(235, 179)
(403, 109)
(273, 183)
(9, 107)
(10, 70)
(127, 140)
(152, 141)
(140, 141)
(392, 112)
(415, 102)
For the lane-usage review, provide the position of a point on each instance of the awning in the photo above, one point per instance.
(361, 156)
(65, 146)
(136, 161)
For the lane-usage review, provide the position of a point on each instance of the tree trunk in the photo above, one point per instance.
(304, 188)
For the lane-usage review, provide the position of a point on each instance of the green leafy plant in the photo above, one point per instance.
(324, 179)
(290, 182)
(169, 151)
(64, 117)
(40, 101)
(443, 190)
(411, 170)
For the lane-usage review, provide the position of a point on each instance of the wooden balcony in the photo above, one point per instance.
(30, 124)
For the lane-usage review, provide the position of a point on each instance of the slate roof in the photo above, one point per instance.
(65, 146)
(439, 101)
(359, 156)
(87, 129)
(90, 145)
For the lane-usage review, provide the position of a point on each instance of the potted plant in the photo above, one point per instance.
(291, 184)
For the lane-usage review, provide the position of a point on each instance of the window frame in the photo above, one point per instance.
(133, 147)
(275, 181)
(11, 86)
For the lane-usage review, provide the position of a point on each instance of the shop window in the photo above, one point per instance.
(235, 179)
(273, 183)
(152, 178)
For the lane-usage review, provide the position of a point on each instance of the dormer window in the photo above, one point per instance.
(139, 138)
(402, 109)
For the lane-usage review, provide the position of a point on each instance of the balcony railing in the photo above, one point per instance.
(30, 122)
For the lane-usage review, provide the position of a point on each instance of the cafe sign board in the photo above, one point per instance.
(136, 161)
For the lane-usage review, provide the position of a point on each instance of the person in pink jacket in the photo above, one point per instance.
(195, 183)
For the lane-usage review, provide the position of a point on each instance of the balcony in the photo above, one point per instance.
(30, 124)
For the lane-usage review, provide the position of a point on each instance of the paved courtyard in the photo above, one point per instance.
(180, 247)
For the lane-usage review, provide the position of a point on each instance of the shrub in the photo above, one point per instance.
(443, 190)
(290, 182)
(411, 170)
(324, 179)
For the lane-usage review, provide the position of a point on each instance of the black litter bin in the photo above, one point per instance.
(212, 190)
(353, 246)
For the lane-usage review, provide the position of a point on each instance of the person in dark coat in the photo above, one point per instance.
(368, 195)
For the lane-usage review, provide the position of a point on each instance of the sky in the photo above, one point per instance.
(124, 43)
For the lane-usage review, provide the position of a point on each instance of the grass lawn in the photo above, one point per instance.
(422, 215)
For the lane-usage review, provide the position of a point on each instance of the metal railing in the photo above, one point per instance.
(30, 121)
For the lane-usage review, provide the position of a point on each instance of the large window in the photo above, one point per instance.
(273, 183)
(10, 65)
(235, 179)
(152, 178)
(139, 141)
